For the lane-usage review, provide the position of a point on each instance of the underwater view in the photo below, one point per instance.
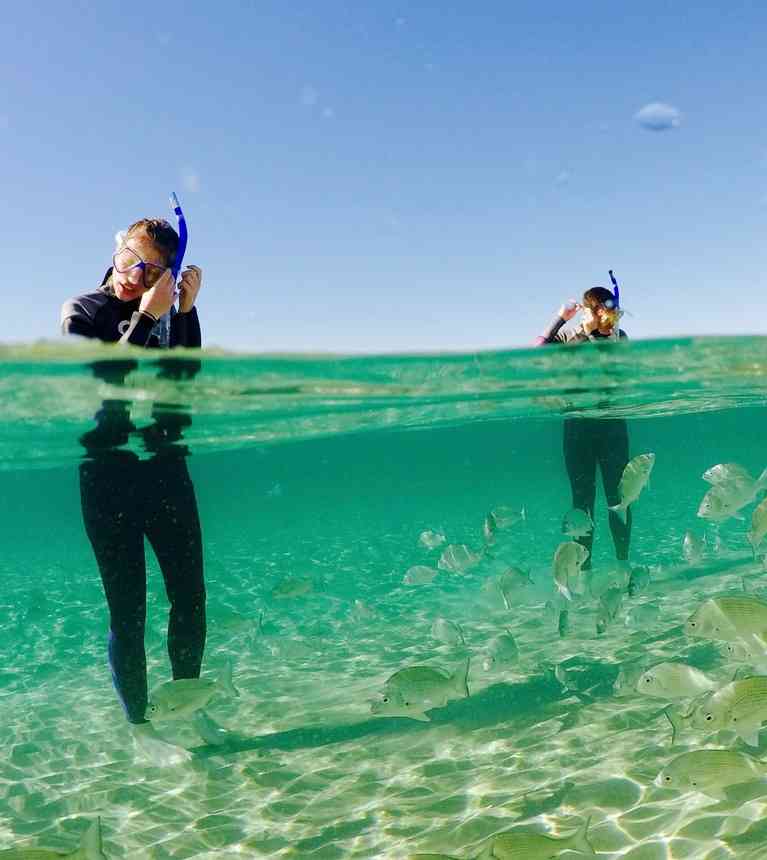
(491, 605)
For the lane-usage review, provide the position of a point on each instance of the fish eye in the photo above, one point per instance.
(386, 700)
(709, 717)
(667, 779)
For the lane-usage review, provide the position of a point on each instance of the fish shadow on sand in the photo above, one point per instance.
(524, 703)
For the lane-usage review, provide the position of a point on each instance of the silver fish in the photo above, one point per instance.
(90, 848)
(568, 561)
(528, 845)
(710, 771)
(674, 681)
(458, 558)
(693, 548)
(419, 574)
(447, 631)
(635, 476)
(758, 528)
(430, 539)
(177, 700)
(501, 651)
(414, 690)
(577, 523)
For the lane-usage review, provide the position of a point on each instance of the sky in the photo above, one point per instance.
(392, 177)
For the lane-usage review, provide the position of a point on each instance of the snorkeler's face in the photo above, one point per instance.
(133, 283)
(607, 318)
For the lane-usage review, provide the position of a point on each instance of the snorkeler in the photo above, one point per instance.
(589, 442)
(125, 498)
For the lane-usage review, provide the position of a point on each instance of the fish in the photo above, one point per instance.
(510, 582)
(674, 681)
(740, 706)
(568, 560)
(727, 473)
(296, 586)
(641, 614)
(758, 528)
(177, 700)
(447, 631)
(419, 574)
(710, 771)
(91, 848)
(730, 618)
(431, 540)
(563, 623)
(693, 548)
(719, 505)
(458, 558)
(628, 675)
(502, 650)
(528, 845)
(412, 691)
(577, 523)
(360, 611)
(635, 476)
(500, 519)
(639, 579)
(609, 606)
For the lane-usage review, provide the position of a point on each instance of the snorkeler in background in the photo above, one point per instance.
(592, 442)
(126, 498)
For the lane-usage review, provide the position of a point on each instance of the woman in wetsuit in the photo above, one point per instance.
(124, 497)
(592, 442)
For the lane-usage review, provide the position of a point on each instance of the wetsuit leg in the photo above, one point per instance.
(581, 464)
(613, 453)
(113, 523)
(173, 528)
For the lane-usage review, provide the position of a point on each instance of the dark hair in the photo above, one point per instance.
(160, 232)
(598, 296)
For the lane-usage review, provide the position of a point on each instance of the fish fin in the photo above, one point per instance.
(421, 716)
(461, 679)
(581, 838)
(620, 510)
(678, 721)
(90, 846)
(749, 736)
(225, 680)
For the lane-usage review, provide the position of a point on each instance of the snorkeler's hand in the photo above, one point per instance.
(590, 321)
(569, 310)
(191, 281)
(160, 298)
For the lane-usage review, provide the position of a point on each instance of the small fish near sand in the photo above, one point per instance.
(297, 586)
(502, 650)
(569, 558)
(416, 689)
(577, 523)
(458, 558)
(419, 574)
(710, 771)
(90, 848)
(179, 700)
(635, 477)
(502, 519)
(693, 548)
(758, 530)
(674, 681)
(528, 845)
(447, 631)
(730, 618)
(431, 540)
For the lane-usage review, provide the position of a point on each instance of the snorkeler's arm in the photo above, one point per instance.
(551, 333)
(139, 329)
(185, 329)
(78, 315)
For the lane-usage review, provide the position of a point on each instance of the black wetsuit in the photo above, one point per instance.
(125, 498)
(592, 442)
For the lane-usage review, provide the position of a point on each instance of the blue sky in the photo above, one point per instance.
(389, 177)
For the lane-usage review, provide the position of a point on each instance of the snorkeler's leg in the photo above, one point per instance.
(174, 531)
(613, 457)
(113, 526)
(581, 464)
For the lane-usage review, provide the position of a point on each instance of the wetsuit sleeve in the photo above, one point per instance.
(139, 329)
(551, 333)
(78, 317)
(185, 329)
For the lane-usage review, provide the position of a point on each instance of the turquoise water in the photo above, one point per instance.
(314, 479)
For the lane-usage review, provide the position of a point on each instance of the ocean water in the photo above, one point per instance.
(314, 479)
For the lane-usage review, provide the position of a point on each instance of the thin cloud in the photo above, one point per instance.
(190, 181)
(658, 116)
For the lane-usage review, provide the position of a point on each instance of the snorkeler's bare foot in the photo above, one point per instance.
(209, 730)
(151, 747)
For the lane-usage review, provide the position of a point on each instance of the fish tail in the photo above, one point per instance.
(461, 678)
(677, 720)
(620, 510)
(581, 838)
(90, 846)
(523, 510)
(225, 680)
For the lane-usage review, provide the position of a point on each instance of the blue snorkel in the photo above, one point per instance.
(162, 328)
(616, 291)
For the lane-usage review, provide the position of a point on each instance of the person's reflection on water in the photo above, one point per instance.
(129, 494)
(592, 442)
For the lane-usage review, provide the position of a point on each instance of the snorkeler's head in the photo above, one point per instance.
(158, 231)
(601, 302)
